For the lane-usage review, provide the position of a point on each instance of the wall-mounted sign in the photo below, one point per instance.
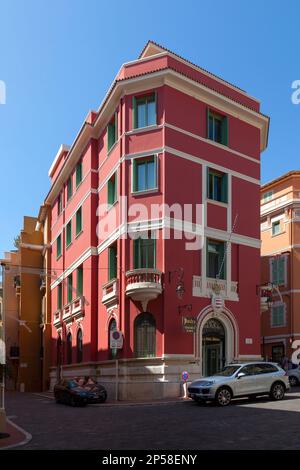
(116, 340)
(189, 324)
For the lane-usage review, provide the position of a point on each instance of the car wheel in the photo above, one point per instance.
(104, 398)
(223, 396)
(293, 381)
(277, 391)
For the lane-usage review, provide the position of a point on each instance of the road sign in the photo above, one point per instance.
(185, 375)
(189, 324)
(116, 340)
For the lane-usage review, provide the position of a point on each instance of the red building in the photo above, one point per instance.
(167, 133)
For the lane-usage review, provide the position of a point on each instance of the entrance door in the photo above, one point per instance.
(212, 361)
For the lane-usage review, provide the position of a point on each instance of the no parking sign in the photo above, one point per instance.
(185, 376)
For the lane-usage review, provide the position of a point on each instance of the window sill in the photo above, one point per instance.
(110, 206)
(58, 258)
(144, 192)
(138, 130)
(68, 246)
(112, 148)
(78, 234)
(217, 143)
(217, 203)
(79, 184)
(277, 234)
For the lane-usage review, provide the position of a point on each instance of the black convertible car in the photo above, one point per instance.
(71, 393)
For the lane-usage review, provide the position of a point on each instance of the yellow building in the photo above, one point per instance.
(23, 286)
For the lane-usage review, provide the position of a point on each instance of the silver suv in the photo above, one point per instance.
(294, 376)
(241, 380)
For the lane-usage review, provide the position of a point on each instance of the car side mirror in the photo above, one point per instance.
(240, 375)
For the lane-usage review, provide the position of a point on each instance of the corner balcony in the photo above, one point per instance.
(110, 293)
(57, 318)
(143, 285)
(205, 287)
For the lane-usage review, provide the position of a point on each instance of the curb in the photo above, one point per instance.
(27, 435)
(126, 403)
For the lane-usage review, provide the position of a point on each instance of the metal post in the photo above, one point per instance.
(117, 378)
(2, 338)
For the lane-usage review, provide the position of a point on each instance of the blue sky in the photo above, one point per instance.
(58, 58)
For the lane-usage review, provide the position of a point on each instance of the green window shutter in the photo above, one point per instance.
(70, 288)
(59, 296)
(134, 113)
(69, 188)
(207, 183)
(134, 175)
(155, 98)
(274, 271)
(58, 246)
(116, 127)
(281, 271)
(111, 191)
(224, 189)
(136, 253)
(69, 233)
(225, 131)
(80, 281)
(78, 173)
(78, 221)
(207, 259)
(112, 262)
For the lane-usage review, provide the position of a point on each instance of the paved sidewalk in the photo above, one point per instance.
(17, 436)
(110, 402)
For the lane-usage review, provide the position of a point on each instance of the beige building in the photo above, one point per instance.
(280, 234)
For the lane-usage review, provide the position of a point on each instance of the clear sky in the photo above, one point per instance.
(57, 59)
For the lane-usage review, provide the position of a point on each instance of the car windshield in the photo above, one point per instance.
(228, 371)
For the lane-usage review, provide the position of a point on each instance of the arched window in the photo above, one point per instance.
(145, 335)
(112, 327)
(69, 348)
(79, 346)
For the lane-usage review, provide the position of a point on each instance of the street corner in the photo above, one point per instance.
(13, 436)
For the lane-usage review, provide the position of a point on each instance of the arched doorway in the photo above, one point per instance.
(213, 346)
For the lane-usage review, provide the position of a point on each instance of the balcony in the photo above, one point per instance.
(143, 285)
(67, 313)
(77, 307)
(57, 318)
(110, 293)
(205, 287)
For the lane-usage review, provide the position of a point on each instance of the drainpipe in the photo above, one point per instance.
(291, 278)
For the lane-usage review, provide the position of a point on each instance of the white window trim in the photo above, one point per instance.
(145, 191)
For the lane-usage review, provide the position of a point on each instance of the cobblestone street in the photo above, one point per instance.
(175, 425)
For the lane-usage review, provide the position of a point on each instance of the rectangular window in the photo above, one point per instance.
(78, 173)
(267, 196)
(78, 221)
(216, 259)
(79, 281)
(59, 204)
(59, 296)
(144, 111)
(70, 288)
(144, 175)
(144, 253)
(217, 127)
(58, 247)
(112, 132)
(217, 185)
(276, 228)
(69, 188)
(69, 233)
(278, 270)
(112, 262)
(278, 316)
(112, 190)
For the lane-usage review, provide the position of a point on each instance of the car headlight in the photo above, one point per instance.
(207, 384)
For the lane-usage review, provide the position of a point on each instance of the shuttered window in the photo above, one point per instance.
(217, 127)
(69, 188)
(112, 262)
(80, 281)
(278, 315)
(144, 253)
(70, 287)
(144, 111)
(145, 336)
(144, 173)
(278, 270)
(112, 132)
(58, 247)
(78, 173)
(69, 233)
(217, 185)
(112, 190)
(79, 221)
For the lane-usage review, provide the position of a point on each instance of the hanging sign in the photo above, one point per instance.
(116, 340)
(189, 324)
